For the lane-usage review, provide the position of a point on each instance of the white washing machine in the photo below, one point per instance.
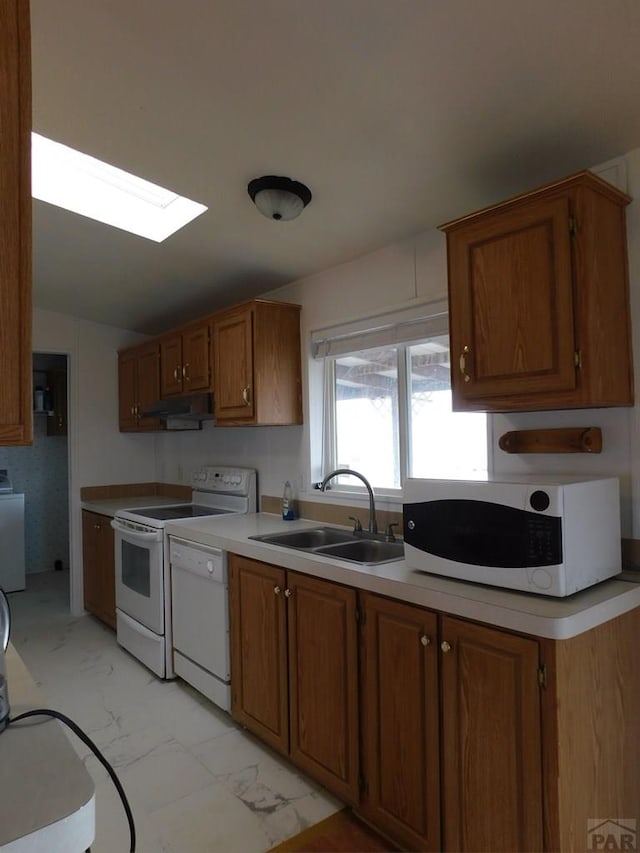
(12, 567)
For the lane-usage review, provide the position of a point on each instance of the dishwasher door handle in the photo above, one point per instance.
(209, 571)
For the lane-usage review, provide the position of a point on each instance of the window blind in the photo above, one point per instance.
(413, 324)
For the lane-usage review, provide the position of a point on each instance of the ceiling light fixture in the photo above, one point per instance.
(279, 198)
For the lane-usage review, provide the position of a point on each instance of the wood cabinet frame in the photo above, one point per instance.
(16, 419)
(591, 730)
(539, 301)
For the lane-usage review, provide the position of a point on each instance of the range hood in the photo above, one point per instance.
(189, 411)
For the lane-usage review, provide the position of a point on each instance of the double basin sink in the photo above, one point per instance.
(366, 549)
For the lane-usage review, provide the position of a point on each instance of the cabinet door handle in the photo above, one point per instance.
(96, 525)
(277, 590)
(425, 640)
(185, 372)
(246, 395)
(463, 363)
(175, 373)
(288, 593)
(133, 410)
(446, 647)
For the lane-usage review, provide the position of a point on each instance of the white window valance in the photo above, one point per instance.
(410, 324)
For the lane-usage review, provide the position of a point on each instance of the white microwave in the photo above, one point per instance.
(551, 536)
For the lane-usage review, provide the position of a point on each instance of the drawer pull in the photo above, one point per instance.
(463, 363)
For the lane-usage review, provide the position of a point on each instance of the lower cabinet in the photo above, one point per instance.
(464, 740)
(442, 733)
(491, 746)
(400, 722)
(99, 574)
(294, 669)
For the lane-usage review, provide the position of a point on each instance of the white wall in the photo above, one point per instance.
(98, 452)
(406, 273)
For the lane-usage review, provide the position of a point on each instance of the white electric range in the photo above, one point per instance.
(143, 583)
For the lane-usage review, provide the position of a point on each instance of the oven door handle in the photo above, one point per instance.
(134, 535)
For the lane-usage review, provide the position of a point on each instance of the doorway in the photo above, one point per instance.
(41, 473)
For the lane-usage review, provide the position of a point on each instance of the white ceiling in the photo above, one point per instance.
(398, 115)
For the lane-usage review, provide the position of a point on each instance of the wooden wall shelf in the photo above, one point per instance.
(560, 440)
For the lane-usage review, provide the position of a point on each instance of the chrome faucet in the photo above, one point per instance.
(373, 524)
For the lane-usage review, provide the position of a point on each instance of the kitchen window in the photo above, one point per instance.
(387, 404)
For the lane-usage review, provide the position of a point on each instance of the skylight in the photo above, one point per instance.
(80, 183)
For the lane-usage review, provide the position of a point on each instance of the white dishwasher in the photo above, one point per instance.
(200, 615)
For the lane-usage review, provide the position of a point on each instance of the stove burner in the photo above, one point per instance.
(169, 513)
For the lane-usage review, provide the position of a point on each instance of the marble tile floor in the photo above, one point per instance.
(196, 782)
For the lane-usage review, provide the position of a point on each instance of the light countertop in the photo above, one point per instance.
(47, 797)
(541, 616)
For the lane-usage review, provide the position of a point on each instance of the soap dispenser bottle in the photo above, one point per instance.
(287, 503)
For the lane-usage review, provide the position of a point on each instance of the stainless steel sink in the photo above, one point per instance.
(314, 537)
(367, 552)
(361, 548)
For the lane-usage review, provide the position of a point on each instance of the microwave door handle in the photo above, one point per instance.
(134, 535)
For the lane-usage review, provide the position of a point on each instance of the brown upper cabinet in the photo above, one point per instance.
(185, 361)
(257, 369)
(249, 355)
(16, 424)
(139, 386)
(539, 301)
